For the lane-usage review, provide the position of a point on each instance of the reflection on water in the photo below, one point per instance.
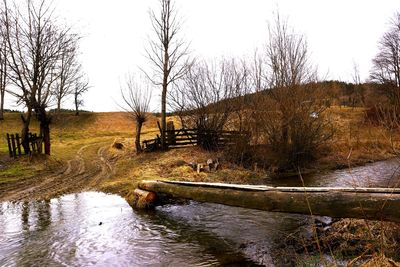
(98, 229)
(92, 228)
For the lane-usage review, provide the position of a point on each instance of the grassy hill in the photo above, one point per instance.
(355, 142)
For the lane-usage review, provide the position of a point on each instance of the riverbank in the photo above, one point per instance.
(84, 158)
(355, 142)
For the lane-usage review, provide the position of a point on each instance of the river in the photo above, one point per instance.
(97, 229)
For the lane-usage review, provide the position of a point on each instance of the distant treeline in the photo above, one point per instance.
(331, 93)
(51, 111)
(349, 94)
(338, 93)
(12, 111)
(63, 110)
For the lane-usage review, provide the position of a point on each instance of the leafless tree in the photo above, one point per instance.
(81, 86)
(257, 72)
(292, 117)
(137, 101)
(386, 64)
(36, 44)
(241, 92)
(69, 72)
(177, 103)
(203, 93)
(287, 57)
(212, 97)
(167, 52)
(356, 73)
(359, 87)
(3, 74)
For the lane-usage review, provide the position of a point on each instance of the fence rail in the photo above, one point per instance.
(14, 142)
(193, 137)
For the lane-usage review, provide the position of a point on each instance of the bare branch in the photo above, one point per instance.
(137, 103)
(167, 53)
(386, 64)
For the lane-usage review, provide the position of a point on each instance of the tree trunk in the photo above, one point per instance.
(76, 105)
(363, 203)
(25, 131)
(137, 141)
(46, 138)
(164, 93)
(2, 104)
(58, 105)
(44, 129)
(163, 115)
(3, 82)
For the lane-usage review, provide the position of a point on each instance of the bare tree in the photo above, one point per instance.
(292, 116)
(3, 74)
(359, 89)
(287, 57)
(202, 93)
(241, 92)
(36, 44)
(69, 72)
(209, 96)
(257, 72)
(167, 53)
(386, 64)
(356, 73)
(137, 100)
(81, 86)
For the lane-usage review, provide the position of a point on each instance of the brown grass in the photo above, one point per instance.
(382, 261)
(355, 141)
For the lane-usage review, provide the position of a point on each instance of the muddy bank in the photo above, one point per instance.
(48, 178)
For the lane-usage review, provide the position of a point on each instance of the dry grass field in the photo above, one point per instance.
(83, 144)
(356, 141)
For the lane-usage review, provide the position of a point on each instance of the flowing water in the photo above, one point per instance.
(96, 229)
(378, 174)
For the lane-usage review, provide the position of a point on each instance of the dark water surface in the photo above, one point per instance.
(96, 229)
(378, 174)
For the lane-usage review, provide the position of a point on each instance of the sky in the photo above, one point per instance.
(340, 33)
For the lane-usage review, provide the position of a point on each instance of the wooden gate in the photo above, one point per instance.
(208, 139)
(14, 142)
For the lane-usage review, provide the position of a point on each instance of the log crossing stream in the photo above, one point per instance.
(337, 202)
(97, 229)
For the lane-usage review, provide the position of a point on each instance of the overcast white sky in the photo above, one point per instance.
(339, 32)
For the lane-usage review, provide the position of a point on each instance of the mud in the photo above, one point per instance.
(84, 172)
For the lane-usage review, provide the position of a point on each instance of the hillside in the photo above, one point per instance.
(82, 145)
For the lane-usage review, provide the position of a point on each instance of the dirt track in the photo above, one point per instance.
(85, 171)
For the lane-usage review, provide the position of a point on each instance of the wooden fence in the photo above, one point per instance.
(193, 137)
(15, 144)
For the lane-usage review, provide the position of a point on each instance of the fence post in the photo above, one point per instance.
(9, 146)
(40, 144)
(18, 144)
(14, 152)
(33, 142)
(159, 127)
(171, 139)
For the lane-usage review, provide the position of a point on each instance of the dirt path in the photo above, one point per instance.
(85, 171)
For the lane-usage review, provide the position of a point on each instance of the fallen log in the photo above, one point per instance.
(366, 203)
(143, 199)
